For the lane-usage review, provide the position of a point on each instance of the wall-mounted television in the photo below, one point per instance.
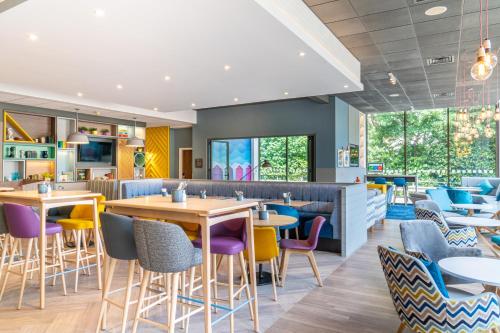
(375, 167)
(101, 151)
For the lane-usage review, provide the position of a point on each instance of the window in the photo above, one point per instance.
(282, 158)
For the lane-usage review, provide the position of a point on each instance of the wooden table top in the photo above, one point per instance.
(274, 220)
(201, 207)
(7, 189)
(294, 203)
(53, 196)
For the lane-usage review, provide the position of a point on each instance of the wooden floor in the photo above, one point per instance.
(354, 299)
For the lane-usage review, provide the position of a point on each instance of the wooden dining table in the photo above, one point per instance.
(205, 213)
(52, 200)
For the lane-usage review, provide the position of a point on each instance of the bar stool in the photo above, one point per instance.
(401, 182)
(164, 248)
(118, 234)
(305, 247)
(380, 181)
(24, 223)
(229, 239)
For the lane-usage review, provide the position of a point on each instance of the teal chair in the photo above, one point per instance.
(442, 199)
(289, 211)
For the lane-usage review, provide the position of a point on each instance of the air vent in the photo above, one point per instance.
(444, 94)
(420, 1)
(440, 60)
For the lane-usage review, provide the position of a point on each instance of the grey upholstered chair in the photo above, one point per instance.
(118, 234)
(165, 249)
(423, 238)
(432, 205)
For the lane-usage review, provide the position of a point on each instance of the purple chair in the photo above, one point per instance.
(228, 238)
(24, 223)
(305, 247)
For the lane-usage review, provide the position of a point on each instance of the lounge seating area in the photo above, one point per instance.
(250, 166)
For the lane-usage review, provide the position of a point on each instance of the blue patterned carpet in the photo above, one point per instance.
(401, 212)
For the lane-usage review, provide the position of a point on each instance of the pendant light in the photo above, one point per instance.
(77, 138)
(481, 70)
(490, 57)
(135, 141)
(497, 104)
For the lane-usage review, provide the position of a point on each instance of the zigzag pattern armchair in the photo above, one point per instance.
(423, 308)
(463, 237)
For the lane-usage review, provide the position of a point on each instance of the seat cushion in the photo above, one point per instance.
(76, 224)
(460, 196)
(485, 186)
(496, 240)
(440, 196)
(433, 269)
(52, 228)
(223, 245)
(295, 244)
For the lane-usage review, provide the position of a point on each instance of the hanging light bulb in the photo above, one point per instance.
(477, 121)
(481, 70)
(490, 57)
(482, 114)
(497, 114)
(489, 114)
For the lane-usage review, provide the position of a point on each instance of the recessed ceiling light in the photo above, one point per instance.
(286, 93)
(236, 99)
(302, 54)
(227, 67)
(33, 37)
(119, 87)
(155, 109)
(394, 95)
(79, 94)
(98, 113)
(99, 12)
(193, 105)
(167, 78)
(346, 86)
(438, 10)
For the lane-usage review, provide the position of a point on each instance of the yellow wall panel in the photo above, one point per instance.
(157, 152)
(125, 160)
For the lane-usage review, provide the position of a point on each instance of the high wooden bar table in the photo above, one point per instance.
(204, 212)
(56, 199)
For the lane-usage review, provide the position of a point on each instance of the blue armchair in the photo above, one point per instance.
(289, 211)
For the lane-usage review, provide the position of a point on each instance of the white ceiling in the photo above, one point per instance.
(137, 43)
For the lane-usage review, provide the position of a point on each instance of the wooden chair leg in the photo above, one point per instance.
(273, 279)
(9, 266)
(173, 301)
(277, 271)
(140, 302)
(101, 323)
(297, 233)
(314, 267)
(244, 276)
(192, 272)
(86, 253)
(78, 257)
(230, 282)
(214, 274)
(60, 259)
(54, 269)
(25, 272)
(401, 328)
(5, 247)
(287, 234)
(183, 293)
(128, 293)
(284, 265)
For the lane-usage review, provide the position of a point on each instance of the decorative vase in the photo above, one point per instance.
(240, 197)
(42, 188)
(179, 196)
(263, 214)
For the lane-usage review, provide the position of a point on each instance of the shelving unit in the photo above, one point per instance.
(66, 154)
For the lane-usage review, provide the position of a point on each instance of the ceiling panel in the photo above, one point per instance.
(334, 11)
(366, 7)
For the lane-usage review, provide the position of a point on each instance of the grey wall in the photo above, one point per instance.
(291, 117)
(179, 138)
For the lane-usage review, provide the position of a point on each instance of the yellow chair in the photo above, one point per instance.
(381, 187)
(191, 229)
(81, 220)
(266, 251)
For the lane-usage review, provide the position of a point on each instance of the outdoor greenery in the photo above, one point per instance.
(427, 147)
(275, 149)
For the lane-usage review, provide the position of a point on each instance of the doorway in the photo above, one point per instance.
(185, 163)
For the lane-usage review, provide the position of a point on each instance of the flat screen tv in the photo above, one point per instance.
(375, 167)
(96, 151)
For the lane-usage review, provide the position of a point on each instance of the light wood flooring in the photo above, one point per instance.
(354, 299)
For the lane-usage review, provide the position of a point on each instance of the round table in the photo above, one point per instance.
(275, 221)
(471, 207)
(478, 223)
(482, 270)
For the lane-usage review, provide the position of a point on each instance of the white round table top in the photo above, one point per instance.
(482, 270)
(470, 221)
(469, 189)
(473, 206)
(274, 220)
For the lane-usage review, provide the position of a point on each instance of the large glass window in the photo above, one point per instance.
(423, 143)
(283, 158)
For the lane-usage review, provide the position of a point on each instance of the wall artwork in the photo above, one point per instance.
(340, 158)
(198, 163)
(346, 158)
(353, 155)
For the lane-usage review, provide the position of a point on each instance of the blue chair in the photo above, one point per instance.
(389, 194)
(380, 180)
(441, 198)
(289, 211)
(401, 182)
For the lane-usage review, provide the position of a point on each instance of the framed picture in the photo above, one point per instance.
(198, 163)
(353, 155)
(340, 158)
(346, 158)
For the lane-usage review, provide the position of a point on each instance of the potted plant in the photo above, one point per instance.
(105, 131)
(93, 130)
(83, 129)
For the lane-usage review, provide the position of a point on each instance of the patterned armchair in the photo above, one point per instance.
(463, 237)
(423, 308)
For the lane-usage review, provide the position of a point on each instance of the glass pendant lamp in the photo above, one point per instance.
(135, 141)
(481, 70)
(77, 138)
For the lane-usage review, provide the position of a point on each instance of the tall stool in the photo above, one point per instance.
(380, 181)
(401, 183)
(305, 247)
(229, 239)
(164, 248)
(24, 223)
(118, 234)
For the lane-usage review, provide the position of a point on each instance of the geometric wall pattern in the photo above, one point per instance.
(157, 152)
